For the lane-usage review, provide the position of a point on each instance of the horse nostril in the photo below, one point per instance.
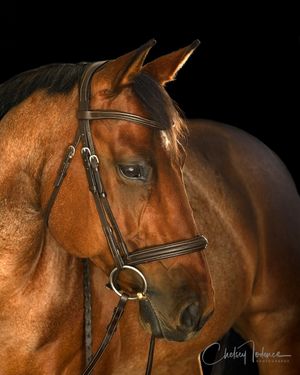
(190, 317)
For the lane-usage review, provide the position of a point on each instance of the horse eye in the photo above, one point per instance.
(133, 172)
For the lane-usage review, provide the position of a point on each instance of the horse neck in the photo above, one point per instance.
(29, 136)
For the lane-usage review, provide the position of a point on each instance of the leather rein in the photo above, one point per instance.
(122, 258)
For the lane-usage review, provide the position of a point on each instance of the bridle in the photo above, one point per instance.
(122, 258)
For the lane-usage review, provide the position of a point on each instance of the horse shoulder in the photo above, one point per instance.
(255, 197)
(237, 161)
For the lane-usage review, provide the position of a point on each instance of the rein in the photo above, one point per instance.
(122, 258)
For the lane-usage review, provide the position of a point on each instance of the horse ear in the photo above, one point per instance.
(165, 68)
(120, 72)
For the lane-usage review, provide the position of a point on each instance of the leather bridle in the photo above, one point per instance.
(122, 258)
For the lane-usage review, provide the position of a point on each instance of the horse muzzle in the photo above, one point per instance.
(188, 321)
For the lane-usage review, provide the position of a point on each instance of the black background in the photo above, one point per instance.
(244, 76)
(246, 71)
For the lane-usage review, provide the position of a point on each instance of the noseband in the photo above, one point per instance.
(122, 258)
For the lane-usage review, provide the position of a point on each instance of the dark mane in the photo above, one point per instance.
(161, 108)
(55, 78)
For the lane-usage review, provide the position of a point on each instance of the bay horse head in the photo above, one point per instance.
(128, 173)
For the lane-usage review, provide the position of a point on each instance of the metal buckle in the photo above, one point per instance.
(71, 152)
(139, 295)
(94, 161)
(85, 150)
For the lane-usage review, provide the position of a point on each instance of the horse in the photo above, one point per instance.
(104, 204)
(161, 187)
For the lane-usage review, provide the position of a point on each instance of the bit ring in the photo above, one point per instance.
(113, 277)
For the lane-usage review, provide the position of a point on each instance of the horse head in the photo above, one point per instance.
(140, 179)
